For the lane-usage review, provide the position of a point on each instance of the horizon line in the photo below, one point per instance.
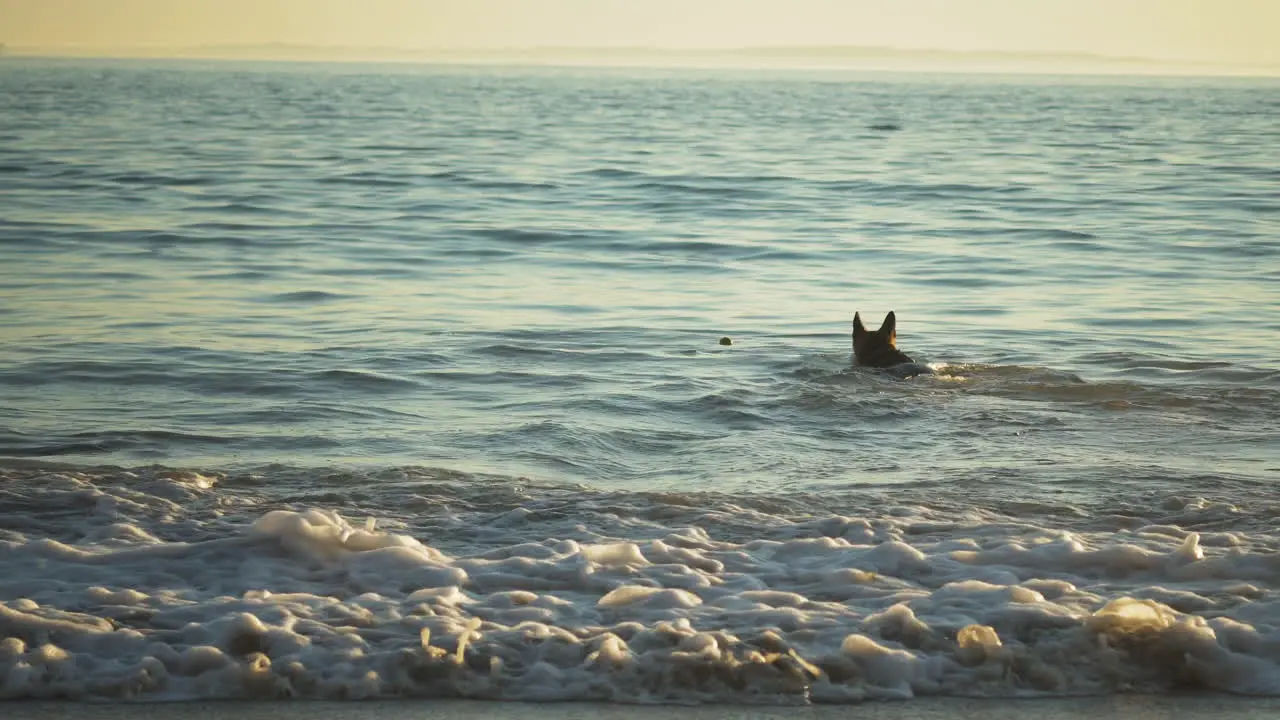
(452, 55)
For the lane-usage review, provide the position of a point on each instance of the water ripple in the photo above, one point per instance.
(530, 273)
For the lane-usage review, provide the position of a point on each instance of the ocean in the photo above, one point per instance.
(364, 381)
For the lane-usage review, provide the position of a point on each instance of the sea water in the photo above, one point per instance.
(363, 381)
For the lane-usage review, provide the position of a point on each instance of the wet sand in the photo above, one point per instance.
(1117, 707)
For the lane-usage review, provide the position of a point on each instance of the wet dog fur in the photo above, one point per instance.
(877, 348)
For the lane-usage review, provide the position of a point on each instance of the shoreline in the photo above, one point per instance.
(1102, 707)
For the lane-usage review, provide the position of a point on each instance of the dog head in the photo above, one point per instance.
(877, 348)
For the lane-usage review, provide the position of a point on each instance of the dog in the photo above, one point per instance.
(877, 348)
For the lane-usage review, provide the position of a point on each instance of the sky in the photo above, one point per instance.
(1213, 31)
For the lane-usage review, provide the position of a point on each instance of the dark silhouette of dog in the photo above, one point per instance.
(877, 348)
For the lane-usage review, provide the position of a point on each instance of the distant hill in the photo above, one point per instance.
(780, 57)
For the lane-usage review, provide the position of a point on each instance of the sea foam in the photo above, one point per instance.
(165, 584)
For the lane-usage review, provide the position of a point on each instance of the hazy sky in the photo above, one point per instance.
(1234, 31)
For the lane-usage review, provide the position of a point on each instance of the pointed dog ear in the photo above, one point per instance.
(890, 326)
(858, 327)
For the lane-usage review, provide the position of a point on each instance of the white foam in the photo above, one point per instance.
(168, 585)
